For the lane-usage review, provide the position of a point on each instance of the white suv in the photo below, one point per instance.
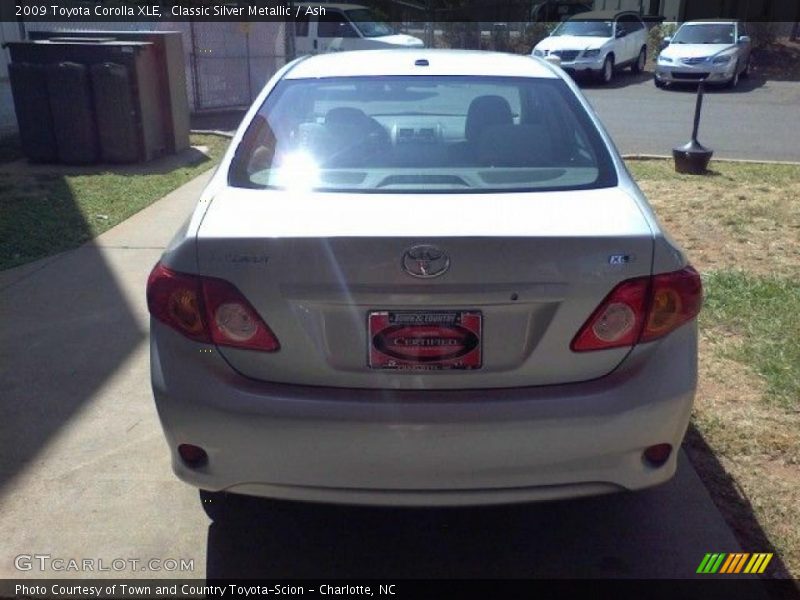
(598, 42)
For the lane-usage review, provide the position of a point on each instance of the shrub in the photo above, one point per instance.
(762, 33)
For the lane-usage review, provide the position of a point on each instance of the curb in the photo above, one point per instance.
(728, 160)
(226, 134)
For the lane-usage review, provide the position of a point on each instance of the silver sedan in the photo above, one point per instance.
(713, 51)
(422, 278)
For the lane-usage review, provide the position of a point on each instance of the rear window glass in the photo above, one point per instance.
(422, 134)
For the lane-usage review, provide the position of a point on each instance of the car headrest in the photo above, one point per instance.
(486, 111)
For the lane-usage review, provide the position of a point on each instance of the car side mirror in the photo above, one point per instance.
(744, 39)
(667, 40)
(621, 33)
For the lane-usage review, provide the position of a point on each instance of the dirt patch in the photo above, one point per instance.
(755, 228)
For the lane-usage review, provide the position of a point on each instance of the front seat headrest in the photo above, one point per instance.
(486, 111)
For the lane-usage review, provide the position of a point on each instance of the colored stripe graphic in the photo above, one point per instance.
(704, 564)
(728, 562)
(711, 563)
(740, 563)
(737, 562)
(759, 562)
(765, 563)
(734, 562)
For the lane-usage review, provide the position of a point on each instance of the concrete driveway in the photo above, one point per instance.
(759, 120)
(84, 470)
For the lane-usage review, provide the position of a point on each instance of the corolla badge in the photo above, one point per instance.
(425, 261)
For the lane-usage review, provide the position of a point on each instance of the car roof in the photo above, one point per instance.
(602, 15)
(376, 63)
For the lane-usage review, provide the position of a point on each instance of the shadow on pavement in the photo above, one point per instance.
(622, 78)
(661, 532)
(62, 336)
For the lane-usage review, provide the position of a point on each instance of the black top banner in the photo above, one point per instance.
(423, 11)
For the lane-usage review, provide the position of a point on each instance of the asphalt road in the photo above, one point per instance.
(758, 120)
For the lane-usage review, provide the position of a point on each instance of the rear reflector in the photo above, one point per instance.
(657, 455)
(207, 309)
(193, 456)
(642, 310)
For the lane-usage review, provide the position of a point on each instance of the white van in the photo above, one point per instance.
(345, 27)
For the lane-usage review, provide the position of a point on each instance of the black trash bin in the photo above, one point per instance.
(72, 108)
(29, 90)
(117, 122)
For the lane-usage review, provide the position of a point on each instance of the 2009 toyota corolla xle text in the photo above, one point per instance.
(422, 277)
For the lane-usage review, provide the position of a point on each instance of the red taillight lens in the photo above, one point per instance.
(207, 310)
(642, 309)
(176, 299)
(675, 299)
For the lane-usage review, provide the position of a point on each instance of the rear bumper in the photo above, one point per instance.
(423, 447)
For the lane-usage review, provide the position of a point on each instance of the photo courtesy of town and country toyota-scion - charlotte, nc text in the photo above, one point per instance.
(138, 590)
(156, 11)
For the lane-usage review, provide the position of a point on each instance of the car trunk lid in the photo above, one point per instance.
(316, 265)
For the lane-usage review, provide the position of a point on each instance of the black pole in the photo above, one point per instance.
(693, 158)
(698, 108)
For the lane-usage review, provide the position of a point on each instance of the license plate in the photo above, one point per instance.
(425, 340)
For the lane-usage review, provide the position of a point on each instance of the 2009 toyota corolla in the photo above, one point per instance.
(422, 277)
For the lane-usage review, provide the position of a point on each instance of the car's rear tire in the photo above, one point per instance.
(734, 81)
(638, 66)
(607, 72)
(659, 84)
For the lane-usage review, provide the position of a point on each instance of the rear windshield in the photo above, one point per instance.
(422, 134)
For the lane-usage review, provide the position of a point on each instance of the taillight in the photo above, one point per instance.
(641, 310)
(232, 321)
(176, 299)
(207, 309)
(674, 299)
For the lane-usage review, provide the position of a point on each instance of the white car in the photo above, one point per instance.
(598, 43)
(344, 27)
(422, 277)
(716, 51)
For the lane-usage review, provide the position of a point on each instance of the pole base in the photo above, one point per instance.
(692, 159)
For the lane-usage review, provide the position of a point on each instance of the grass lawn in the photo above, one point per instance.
(44, 211)
(740, 225)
